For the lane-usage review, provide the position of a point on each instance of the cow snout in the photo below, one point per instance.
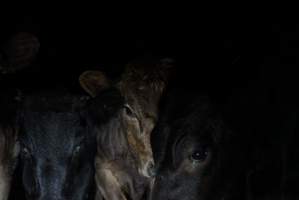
(149, 169)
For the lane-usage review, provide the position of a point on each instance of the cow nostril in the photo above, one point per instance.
(151, 169)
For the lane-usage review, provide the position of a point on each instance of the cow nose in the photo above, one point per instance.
(151, 169)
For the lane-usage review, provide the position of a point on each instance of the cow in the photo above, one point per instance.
(9, 146)
(192, 147)
(16, 53)
(124, 162)
(56, 151)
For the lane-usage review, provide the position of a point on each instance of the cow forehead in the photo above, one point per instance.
(193, 132)
(51, 121)
(145, 107)
(50, 130)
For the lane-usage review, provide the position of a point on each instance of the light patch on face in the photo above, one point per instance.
(140, 144)
(114, 180)
(107, 183)
(141, 85)
(134, 136)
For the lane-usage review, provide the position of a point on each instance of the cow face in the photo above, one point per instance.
(189, 171)
(57, 154)
(141, 86)
(138, 129)
(191, 164)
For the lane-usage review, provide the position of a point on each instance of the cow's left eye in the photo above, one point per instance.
(199, 155)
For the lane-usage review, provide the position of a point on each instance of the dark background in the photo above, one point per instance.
(247, 67)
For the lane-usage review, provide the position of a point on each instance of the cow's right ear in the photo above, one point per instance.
(93, 82)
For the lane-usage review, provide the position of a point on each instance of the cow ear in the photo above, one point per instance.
(93, 82)
(19, 52)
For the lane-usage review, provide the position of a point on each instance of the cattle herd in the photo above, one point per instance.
(127, 139)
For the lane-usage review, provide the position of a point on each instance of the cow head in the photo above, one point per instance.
(141, 87)
(194, 157)
(57, 154)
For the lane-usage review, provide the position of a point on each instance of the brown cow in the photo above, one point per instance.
(124, 162)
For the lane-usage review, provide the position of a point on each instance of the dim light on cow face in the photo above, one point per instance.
(138, 132)
(137, 122)
(142, 85)
(57, 154)
(189, 174)
(192, 159)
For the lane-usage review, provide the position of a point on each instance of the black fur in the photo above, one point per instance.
(188, 124)
(57, 153)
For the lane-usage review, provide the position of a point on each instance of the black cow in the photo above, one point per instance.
(191, 147)
(57, 153)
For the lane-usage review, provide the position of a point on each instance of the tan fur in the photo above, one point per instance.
(108, 185)
(113, 180)
(141, 85)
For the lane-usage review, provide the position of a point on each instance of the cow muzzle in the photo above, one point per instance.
(148, 170)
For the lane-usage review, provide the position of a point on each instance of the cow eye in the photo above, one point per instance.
(129, 111)
(199, 155)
